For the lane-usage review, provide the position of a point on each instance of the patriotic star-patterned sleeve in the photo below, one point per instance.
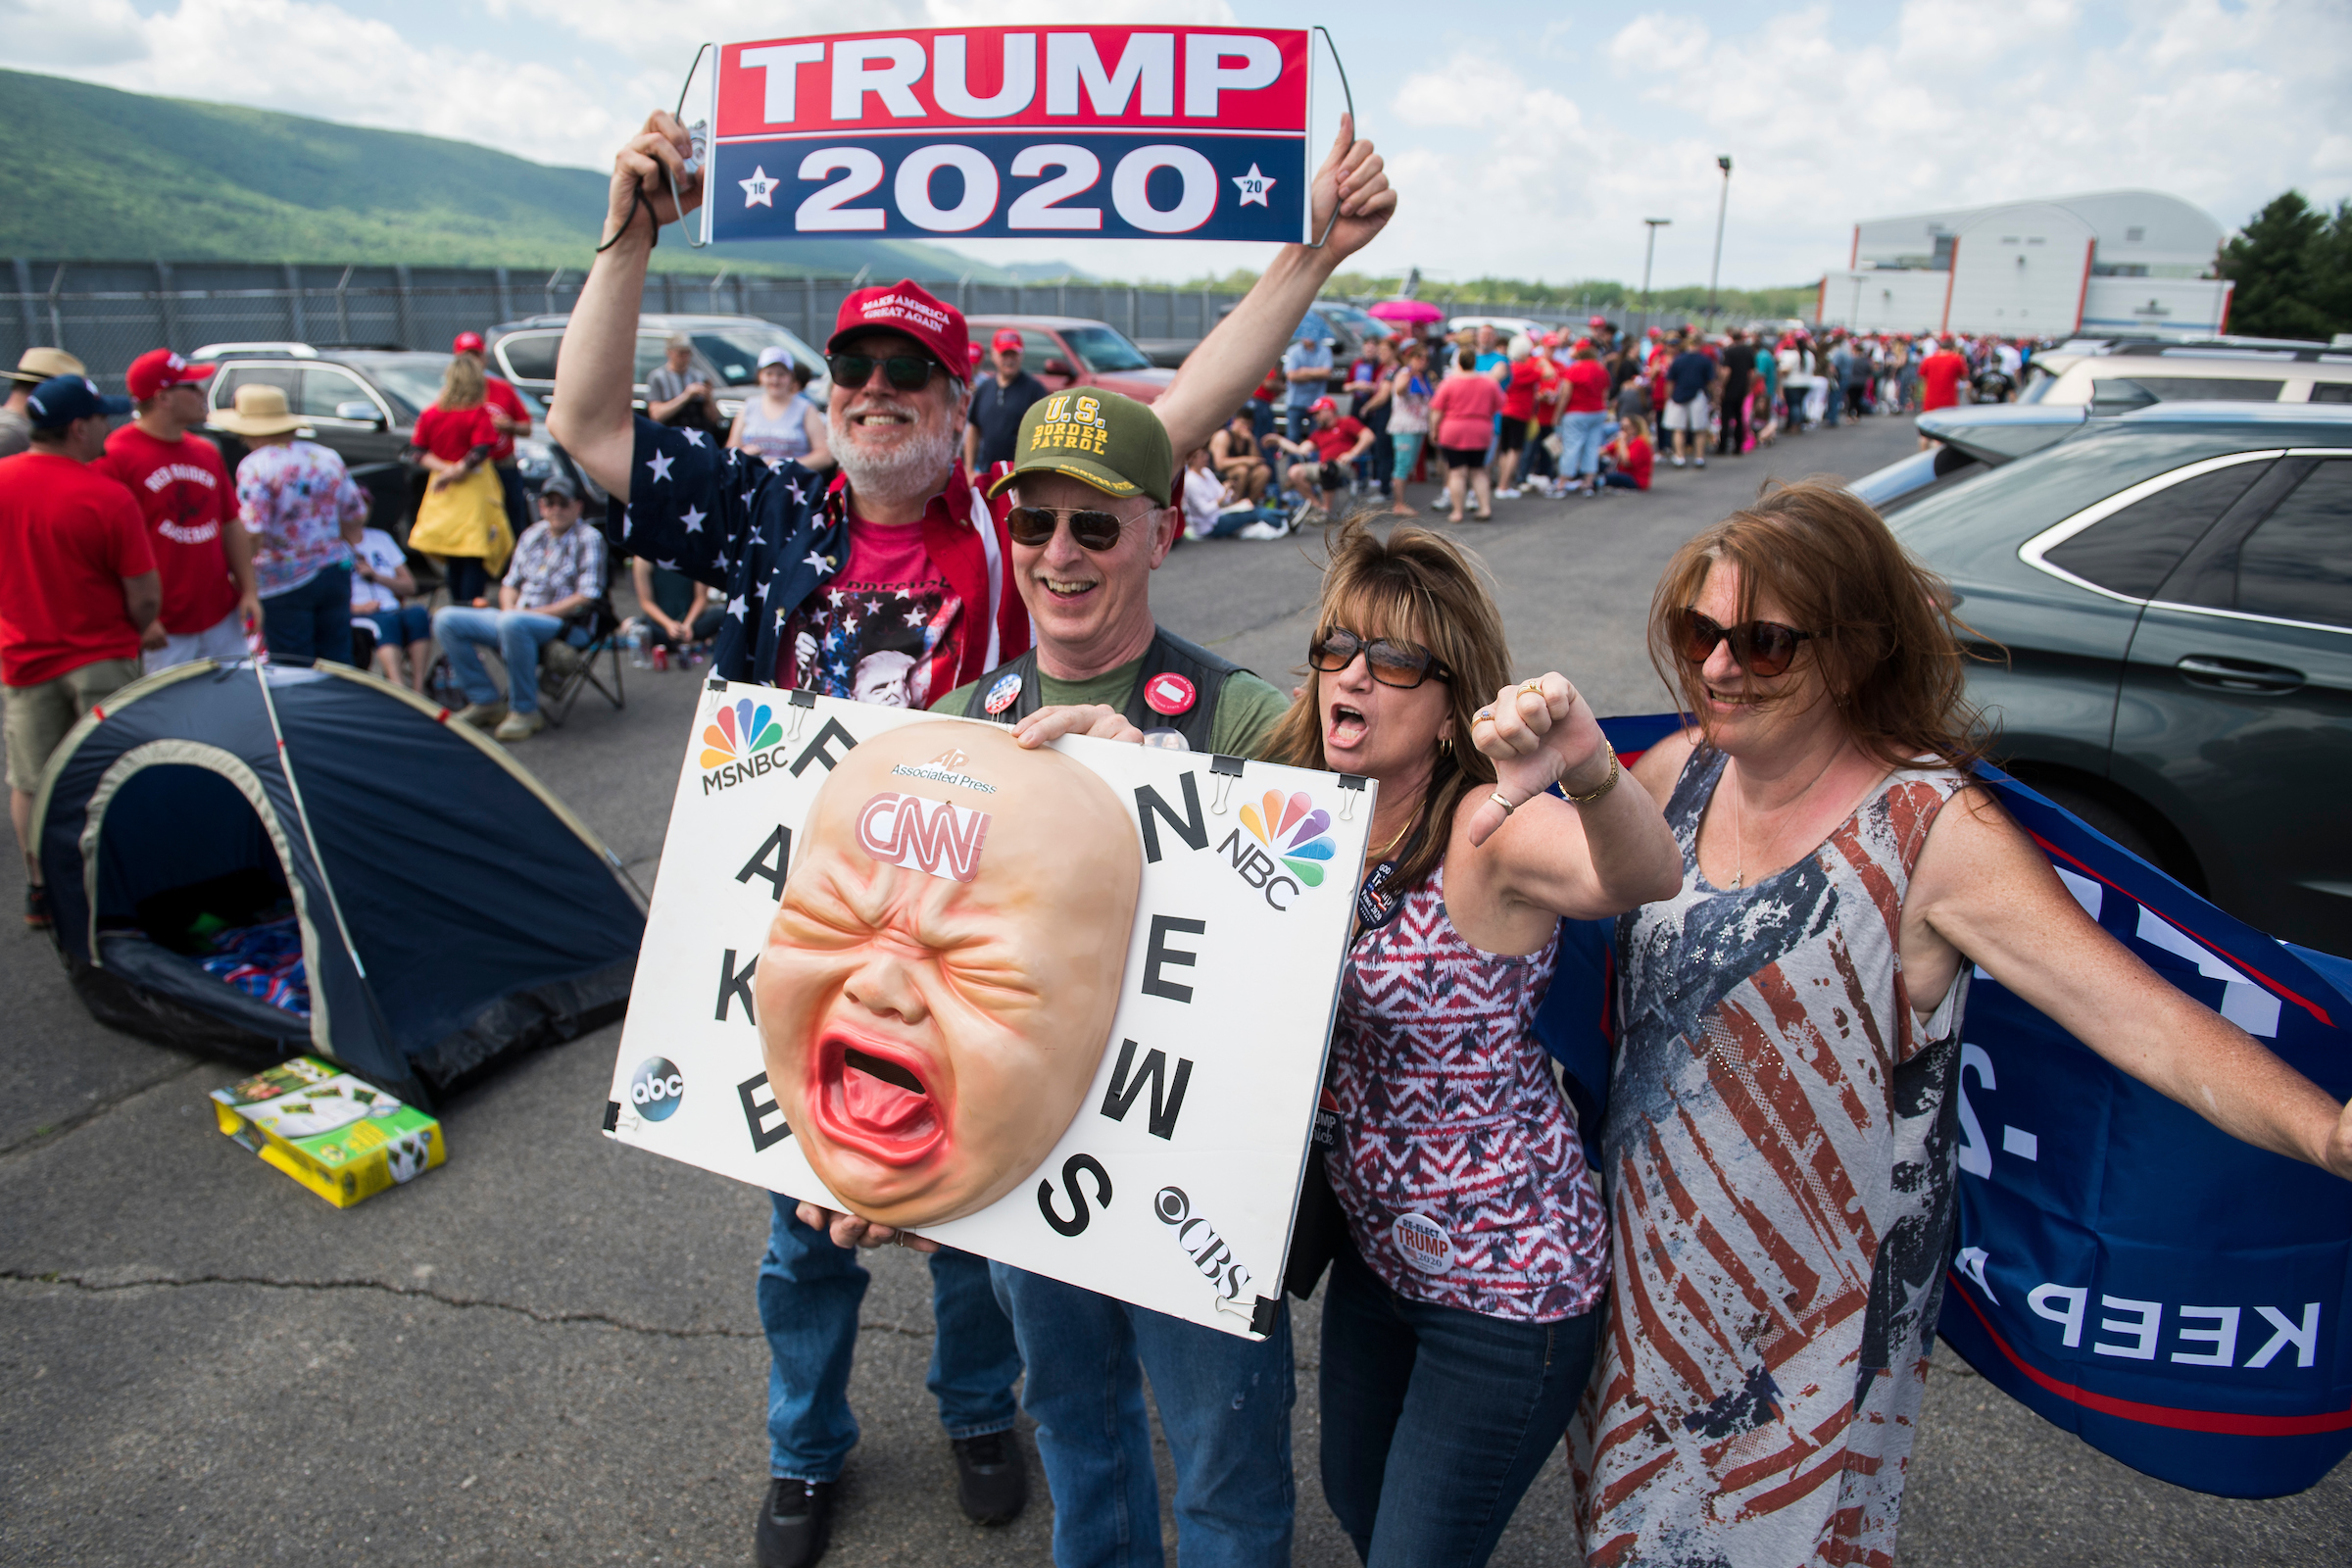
(690, 501)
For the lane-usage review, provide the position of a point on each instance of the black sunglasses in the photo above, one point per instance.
(1399, 664)
(1759, 647)
(908, 372)
(1033, 527)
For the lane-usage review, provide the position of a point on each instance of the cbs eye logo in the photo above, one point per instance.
(656, 1088)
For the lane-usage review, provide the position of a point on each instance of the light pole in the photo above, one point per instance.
(1715, 272)
(1649, 250)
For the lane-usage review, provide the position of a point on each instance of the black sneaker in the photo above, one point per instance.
(992, 1479)
(795, 1523)
(36, 907)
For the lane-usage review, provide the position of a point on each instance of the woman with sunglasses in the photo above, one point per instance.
(1778, 1153)
(1462, 1308)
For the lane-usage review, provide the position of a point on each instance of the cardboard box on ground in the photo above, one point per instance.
(341, 1137)
(945, 933)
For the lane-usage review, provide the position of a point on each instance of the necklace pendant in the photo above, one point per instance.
(1735, 881)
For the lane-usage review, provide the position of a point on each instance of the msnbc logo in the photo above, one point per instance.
(737, 744)
(1294, 830)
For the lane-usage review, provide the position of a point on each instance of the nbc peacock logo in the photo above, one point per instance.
(739, 744)
(1291, 839)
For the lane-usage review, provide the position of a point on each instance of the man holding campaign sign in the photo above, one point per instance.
(904, 528)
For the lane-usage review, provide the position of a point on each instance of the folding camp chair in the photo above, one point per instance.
(564, 667)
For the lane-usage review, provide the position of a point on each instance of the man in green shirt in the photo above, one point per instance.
(1093, 518)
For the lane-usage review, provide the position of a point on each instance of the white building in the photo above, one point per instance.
(2114, 260)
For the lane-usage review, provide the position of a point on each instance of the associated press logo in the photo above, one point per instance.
(656, 1088)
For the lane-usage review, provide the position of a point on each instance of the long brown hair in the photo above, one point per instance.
(1884, 639)
(1414, 586)
(463, 385)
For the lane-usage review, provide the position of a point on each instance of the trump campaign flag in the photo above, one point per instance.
(2124, 1268)
(1102, 132)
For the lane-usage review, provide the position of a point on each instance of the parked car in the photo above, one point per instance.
(2113, 378)
(2165, 598)
(1506, 327)
(362, 402)
(1072, 351)
(1360, 322)
(726, 353)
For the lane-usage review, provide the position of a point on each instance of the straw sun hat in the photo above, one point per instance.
(261, 411)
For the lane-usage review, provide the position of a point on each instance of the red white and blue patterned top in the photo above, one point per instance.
(1456, 1161)
(294, 498)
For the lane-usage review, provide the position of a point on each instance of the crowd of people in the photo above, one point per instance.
(1736, 1377)
(1804, 880)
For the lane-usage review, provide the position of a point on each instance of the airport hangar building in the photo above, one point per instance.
(2135, 261)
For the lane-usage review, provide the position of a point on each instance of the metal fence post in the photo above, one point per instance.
(57, 322)
(32, 323)
(162, 303)
(505, 308)
(808, 307)
(400, 304)
(295, 328)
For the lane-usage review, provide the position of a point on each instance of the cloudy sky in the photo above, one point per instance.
(1532, 146)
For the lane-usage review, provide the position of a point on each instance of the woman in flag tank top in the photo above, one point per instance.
(1461, 1314)
(1778, 1153)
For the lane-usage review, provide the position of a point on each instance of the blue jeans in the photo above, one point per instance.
(1224, 1403)
(1230, 524)
(1580, 443)
(1297, 421)
(1436, 1419)
(311, 620)
(809, 1292)
(516, 634)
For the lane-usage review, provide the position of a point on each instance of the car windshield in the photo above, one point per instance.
(734, 351)
(411, 380)
(1103, 348)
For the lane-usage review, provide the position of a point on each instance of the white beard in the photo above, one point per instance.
(914, 469)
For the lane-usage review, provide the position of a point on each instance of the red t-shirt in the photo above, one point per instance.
(507, 400)
(1942, 372)
(1464, 407)
(1639, 461)
(1547, 396)
(183, 489)
(1587, 386)
(1332, 445)
(69, 535)
(1519, 398)
(886, 628)
(449, 434)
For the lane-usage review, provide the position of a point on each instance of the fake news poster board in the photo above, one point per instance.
(1094, 132)
(1173, 1142)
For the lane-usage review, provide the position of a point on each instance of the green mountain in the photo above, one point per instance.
(121, 176)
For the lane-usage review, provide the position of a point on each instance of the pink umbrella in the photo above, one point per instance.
(1408, 311)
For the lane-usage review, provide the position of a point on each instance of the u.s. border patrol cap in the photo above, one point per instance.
(1112, 442)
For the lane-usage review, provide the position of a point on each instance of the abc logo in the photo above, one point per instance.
(656, 1089)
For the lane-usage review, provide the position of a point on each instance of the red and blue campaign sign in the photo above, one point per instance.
(2122, 1267)
(1078, 132)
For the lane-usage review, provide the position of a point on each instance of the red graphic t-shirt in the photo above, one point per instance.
(183, 488)
(886, 629)
(1333, 443)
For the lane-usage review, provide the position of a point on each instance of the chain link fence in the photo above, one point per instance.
(106, 313)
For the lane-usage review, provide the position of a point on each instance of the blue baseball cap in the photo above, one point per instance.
(62, 399)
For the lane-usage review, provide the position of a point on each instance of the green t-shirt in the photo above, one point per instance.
(1247, 709)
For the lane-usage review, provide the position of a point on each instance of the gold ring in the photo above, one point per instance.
(1498, 800)
(1535, 685)
(1485, 715)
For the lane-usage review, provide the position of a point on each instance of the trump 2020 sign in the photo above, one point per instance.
(1078, 132)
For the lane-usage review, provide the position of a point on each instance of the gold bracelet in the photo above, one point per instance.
(1606, 784)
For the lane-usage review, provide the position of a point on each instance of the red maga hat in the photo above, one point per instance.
(465, 343)
(1323, 406)
(1598, 321)
(158, 368)
(913, 311)
(1007, 338)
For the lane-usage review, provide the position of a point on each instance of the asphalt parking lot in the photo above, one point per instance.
(548, 1349)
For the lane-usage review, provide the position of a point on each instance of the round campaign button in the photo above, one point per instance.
(1170, 694)
(1004, 693)
(1168, 740)
(1424, 1243)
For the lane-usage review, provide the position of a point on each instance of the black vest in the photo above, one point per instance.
(1168, 654)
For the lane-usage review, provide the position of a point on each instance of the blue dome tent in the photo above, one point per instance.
(434, 911)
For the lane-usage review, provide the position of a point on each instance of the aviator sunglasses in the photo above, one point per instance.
(1399, 664)
(908, 372)
(1759, 647)
(1033, 527)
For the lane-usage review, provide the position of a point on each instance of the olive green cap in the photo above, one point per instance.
(1113, 443)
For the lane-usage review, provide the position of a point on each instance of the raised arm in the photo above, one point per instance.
(1983, 888)
(1230, 362)
(596, 368)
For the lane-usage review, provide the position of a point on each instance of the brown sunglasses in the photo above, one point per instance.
(1033, 527)
(1759, 647)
